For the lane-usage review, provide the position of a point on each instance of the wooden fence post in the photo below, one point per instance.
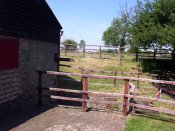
(137, 55)
(82, 72)
(84, 96)
(138, 82)
(173, 55)
(125, 99)
(115, 74)
(65, 50)
(100, 52)
(155, 54)
(39, 88)
(84, 51)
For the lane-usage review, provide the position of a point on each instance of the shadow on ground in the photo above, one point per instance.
(18, 116)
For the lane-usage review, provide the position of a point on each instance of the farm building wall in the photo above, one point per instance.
(18, 86)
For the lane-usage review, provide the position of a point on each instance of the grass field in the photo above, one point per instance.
(146, 121)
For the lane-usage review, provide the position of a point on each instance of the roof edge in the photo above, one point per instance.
(53, 14)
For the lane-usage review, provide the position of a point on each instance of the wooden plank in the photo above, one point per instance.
(100, 53)
(97, 71)
(113, 103)
(115, 74)
(91, 49)
(125, 99)
(138, 83)
(67, 59)
(93, 45)
(84, 96)
(152, 108)
(100, 94)
(111, 77)
(64, 65)
(85, 92)
(155, 54)
(83, 100)
(74, 67)
(120, 72)
(65, 50)
(150, 99)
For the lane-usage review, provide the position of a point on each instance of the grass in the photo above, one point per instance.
(150, 123)
(158, 122)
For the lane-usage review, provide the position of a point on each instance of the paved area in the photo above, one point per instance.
(62, 119)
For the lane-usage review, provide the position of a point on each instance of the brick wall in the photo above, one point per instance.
(18, 86)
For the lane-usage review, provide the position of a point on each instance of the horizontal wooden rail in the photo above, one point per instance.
(152, 108)
(110, 77)
(100, 94)
(82, 100)
(150, 99)
(119, 72)
(91, 49)
(112, 103)
(67, 59)
(85, 92)
(93, 45)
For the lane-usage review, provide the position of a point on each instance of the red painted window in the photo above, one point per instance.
(9, 53)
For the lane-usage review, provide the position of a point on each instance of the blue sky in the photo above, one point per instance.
(86, 19)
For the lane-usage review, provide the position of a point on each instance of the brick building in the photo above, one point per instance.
(29, 40)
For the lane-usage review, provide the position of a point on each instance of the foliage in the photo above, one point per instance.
(70, 44)
(154, 24)
(82, 44)
(118, 34)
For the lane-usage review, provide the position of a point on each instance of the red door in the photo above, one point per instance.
(9, 53)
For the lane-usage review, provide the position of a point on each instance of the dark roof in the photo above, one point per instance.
(31, 19)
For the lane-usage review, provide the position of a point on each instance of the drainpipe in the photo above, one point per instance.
(58, 56)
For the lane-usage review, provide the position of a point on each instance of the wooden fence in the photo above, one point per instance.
(155, 55)
(98, 49)
(91, 49)
(114, 73)
(85, 92)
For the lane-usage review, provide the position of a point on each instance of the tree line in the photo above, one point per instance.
(73, 45)
(148, 25)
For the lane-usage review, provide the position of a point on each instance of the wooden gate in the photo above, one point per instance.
(126, 96)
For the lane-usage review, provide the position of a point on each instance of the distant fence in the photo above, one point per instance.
(114, 73)
(126, 96)
(106, 51)
(96, 51)
(155, 54)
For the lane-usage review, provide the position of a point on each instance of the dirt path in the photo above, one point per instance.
(64, 119)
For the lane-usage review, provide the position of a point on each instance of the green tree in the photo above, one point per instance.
(118, 34)
(154, 24)
(82, 44)
(70, 44)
